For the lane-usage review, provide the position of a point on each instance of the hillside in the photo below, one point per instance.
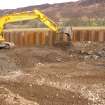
(89, 2)
(90, 8)
(70, 10)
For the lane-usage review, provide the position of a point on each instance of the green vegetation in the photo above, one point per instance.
(85, 22)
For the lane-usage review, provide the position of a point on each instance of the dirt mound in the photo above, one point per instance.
(88, 51)
(6, 63)
(50, 76)
(9, 98)
(29, 57)
(15, 59)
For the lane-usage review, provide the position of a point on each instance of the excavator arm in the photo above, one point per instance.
(29, 15)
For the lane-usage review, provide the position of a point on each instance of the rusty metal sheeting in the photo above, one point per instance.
(46, 37)
(96, 34)
(30, 37)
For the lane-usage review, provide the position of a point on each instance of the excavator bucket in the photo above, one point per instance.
(65, 38)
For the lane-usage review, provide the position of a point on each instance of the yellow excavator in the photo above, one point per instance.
(21, 16)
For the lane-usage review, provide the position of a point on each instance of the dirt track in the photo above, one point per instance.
(42, 76)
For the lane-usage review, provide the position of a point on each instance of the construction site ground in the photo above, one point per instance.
(53, 76)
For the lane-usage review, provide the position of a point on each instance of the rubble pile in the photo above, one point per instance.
(88, 51)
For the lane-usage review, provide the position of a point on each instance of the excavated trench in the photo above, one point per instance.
(51, 76)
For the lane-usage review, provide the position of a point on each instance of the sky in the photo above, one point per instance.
(12, 4)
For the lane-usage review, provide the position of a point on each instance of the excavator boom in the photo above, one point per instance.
(28, 15)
